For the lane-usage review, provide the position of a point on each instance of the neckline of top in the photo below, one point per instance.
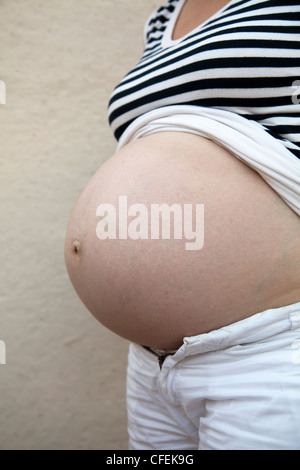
(167, 40)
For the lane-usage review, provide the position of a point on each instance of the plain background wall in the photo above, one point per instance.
(63, 386)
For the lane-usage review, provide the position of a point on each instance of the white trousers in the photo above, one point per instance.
(236, 388)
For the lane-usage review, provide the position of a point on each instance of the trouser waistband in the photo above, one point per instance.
(161, 354)
(256, 328)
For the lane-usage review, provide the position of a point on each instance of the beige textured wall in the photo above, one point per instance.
(63, 385)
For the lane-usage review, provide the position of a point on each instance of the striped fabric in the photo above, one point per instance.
(244, 59)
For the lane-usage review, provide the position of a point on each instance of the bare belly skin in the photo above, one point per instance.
(155, 292)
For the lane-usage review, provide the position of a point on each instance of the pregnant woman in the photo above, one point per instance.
(209, 116)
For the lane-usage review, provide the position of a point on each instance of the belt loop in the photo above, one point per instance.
(294, 316)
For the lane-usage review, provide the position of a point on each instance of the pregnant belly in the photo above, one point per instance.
(147, 287)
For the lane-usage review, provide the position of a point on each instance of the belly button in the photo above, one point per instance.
(76, 248)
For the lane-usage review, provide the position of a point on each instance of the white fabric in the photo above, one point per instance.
(245, 139)
(236, 388)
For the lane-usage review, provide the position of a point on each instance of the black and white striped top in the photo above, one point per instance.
(244, 59)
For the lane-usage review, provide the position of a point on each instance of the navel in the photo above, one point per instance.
(76, 247)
